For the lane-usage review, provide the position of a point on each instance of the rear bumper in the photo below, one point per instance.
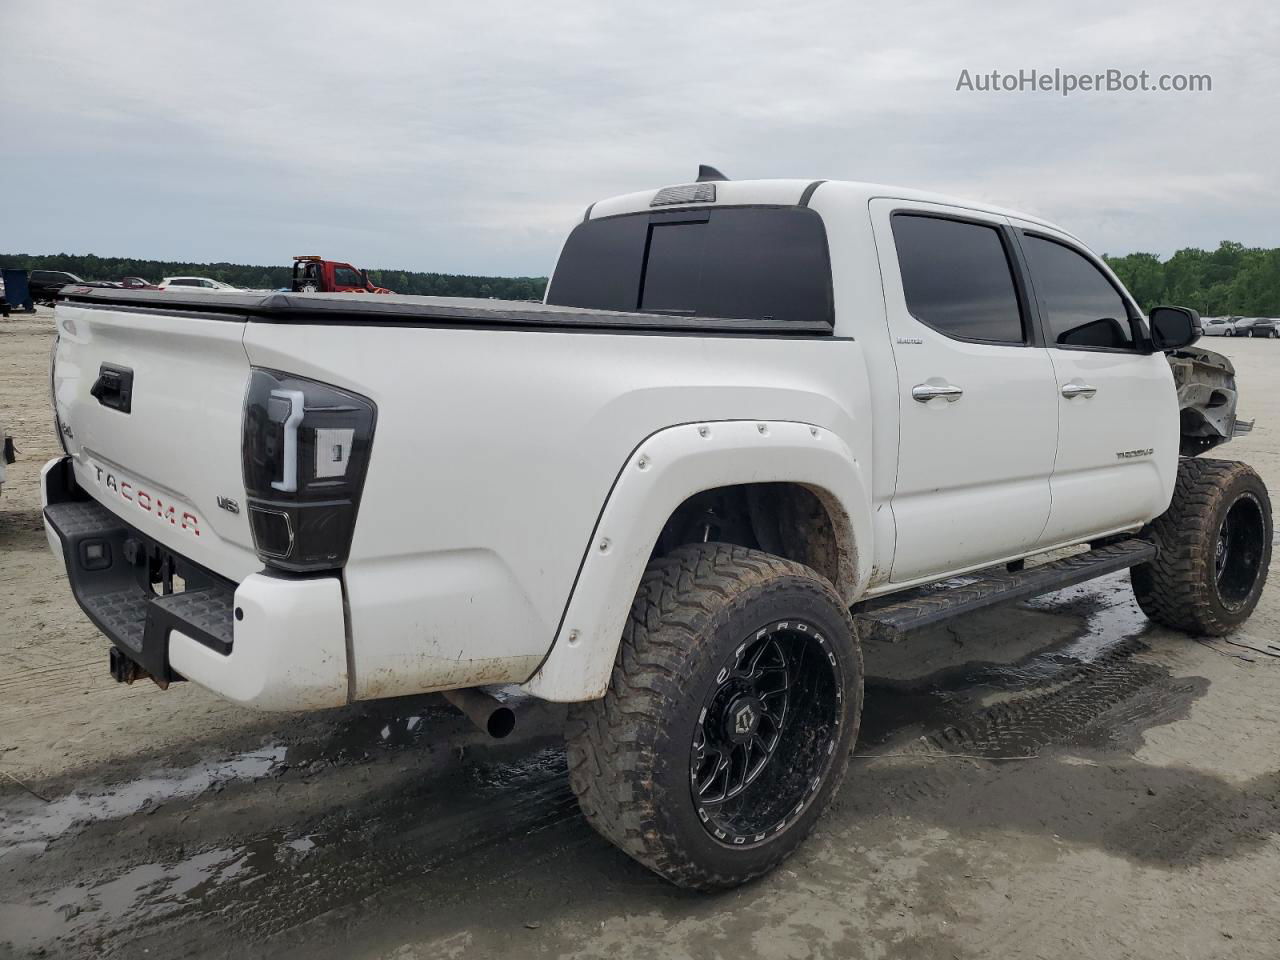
(275, 643)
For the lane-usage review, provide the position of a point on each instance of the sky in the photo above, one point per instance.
(469, 137)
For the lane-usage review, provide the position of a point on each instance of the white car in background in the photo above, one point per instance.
(198, 283)
(1218, 326)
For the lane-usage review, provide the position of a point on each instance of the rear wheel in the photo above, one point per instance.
(1215, 547)
(729, 718)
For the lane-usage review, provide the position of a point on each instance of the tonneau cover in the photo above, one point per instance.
(341, 308)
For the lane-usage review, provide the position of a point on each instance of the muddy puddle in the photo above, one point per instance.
(399, 805)
(28, 826)
(1080, 673)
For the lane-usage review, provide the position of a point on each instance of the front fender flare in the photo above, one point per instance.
(662, 472)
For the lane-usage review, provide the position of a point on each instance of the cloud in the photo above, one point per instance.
(469, 137)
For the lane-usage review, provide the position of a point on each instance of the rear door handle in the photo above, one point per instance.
(1070, 390)
(924, 392)
(114, 387)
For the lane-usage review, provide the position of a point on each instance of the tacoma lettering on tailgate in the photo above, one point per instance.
(146, 501)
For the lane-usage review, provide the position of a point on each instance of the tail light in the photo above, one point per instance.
(306, 449)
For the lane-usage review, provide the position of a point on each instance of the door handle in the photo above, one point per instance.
(114, 387)
(924, 392)
(1070, 390)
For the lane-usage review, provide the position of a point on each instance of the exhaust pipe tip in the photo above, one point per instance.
(484, 710)
(501, 722)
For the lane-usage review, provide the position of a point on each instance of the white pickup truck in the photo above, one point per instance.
(749, 422)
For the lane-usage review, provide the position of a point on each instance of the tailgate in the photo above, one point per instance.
(158, 442)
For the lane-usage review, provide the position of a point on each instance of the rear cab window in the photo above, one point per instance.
(759, 263)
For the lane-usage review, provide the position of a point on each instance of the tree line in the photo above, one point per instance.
(89, 267)
(1233, 280)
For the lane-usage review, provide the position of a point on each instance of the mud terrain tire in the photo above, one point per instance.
(680, 708)
(1215, 546)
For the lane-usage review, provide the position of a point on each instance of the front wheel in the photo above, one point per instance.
(729, 719)
(1215, 547)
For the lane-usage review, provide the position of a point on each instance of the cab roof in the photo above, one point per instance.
(784, 192)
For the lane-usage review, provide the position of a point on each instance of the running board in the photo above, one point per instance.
(889, 618)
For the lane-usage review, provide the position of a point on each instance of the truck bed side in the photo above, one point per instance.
(501, 429)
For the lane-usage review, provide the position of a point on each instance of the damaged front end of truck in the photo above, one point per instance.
(1207, 396)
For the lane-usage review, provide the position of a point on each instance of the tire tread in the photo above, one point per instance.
(1176, 589)
(611, 749)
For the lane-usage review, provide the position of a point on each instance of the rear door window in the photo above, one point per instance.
(736, 262)
(957, 278)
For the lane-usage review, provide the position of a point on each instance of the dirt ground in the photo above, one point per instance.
(1140, 816)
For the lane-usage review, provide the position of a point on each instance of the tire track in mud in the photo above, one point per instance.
(1165, 816)
(1084, 707)
(1099, 692)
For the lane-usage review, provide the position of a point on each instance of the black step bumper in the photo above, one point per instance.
(120, 578)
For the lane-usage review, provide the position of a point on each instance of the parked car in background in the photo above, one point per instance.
(197, 283)
(45, 284)
(1218, 326)
(1257, 327)
(136, 283)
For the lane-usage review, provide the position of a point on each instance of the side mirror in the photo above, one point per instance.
(1173, 328)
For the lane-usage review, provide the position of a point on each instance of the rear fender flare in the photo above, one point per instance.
(662, 472)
